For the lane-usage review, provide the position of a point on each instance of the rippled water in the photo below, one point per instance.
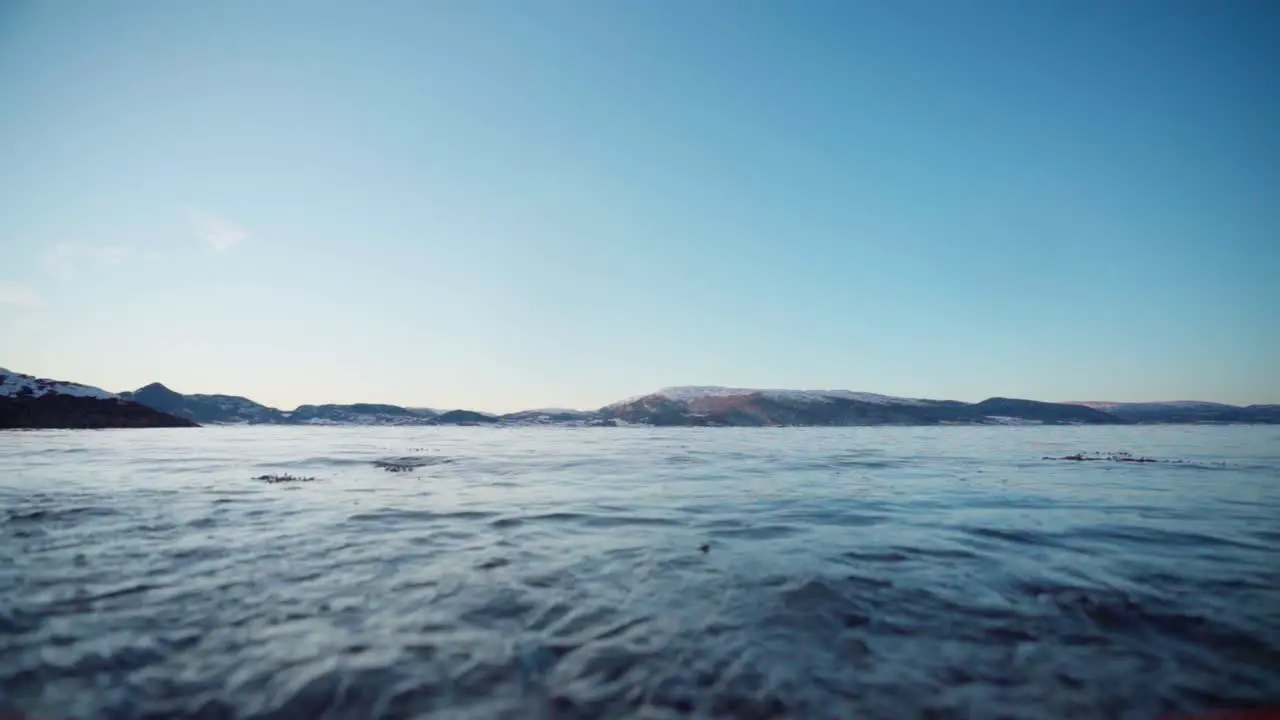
(855, 572)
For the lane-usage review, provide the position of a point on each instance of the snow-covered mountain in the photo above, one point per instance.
(31, 402)
(710, 405)
(689, 393)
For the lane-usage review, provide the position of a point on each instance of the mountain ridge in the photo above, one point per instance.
(717, 406)
(701, 405)
(690, 405)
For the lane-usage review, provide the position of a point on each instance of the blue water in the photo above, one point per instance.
(544, 572)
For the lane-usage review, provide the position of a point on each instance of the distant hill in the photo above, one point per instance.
(205, 408)
(233, 409)
(361, 414)
(28, 402)
(547, 416)
(1187, 411)
(750, 407)
(469, 417)
(1039, 411)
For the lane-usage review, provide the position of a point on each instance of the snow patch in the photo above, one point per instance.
(828, 395)
(12, 383)
(1007, 420)
(1106, 405)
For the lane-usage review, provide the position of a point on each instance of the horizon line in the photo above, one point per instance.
(659, 391)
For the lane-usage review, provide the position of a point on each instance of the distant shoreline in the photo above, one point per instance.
(28, 402)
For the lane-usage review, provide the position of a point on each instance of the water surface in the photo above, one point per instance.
(561, 572)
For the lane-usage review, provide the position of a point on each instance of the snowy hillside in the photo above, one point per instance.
(12, 384)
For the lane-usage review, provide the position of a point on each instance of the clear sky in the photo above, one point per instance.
(500, 205)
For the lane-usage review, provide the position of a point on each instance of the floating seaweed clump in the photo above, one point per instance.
(1111, 457)
(1127, 457)
(285, 478)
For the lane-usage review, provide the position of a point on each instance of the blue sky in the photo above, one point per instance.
(512, 204)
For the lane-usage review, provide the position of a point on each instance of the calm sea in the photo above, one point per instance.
(625, 572)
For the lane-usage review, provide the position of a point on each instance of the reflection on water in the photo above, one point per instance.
(856, 572)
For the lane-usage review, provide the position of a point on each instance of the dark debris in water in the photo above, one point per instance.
(1125, 457)
(285, 478)
(1111, 456)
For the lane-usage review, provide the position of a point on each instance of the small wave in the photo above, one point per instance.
(1014, 535)
(407, 463)
(420, 516)
(1159, 537)
(686, 460)
(554, 517)
(611, 521)
(317, 461)
(886, 556)
(757, 532)
(1113, 611)
(844, 462)
(937, 552)
(1271, 536)
(50, 515)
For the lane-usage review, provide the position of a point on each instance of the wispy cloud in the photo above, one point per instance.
(19, 296)
(220, 233)
(112, 253)
(65, 259)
